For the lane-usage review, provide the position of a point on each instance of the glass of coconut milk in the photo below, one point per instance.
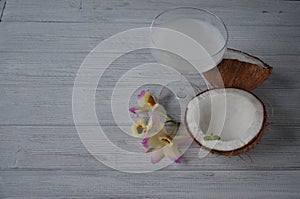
(186, 30)
(191, 41)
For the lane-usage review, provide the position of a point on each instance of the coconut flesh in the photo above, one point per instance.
(236, 115)
(244, 57)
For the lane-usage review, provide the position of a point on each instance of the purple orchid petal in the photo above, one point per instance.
(145, 142)
(132, 110)
(179, 160)
(142, 94)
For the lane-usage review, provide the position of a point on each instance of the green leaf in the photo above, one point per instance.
(211, 137)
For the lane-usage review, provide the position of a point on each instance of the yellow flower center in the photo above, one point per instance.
(139, 128)
(149, 99)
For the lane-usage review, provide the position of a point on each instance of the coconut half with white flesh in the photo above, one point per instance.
(226, 121)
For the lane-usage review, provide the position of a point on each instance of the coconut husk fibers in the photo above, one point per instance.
(239, 70)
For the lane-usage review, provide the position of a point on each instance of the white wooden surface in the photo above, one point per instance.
(42, 44)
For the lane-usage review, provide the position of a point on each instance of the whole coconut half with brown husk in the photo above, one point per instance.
(239, 70)
(227, 121)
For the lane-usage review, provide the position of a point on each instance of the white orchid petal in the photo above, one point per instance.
(171, 152)
(157, 156)
(150, 123)
(178, 140)
(142, 110)
(157, 120)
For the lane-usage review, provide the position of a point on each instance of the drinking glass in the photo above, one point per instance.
(202, 26)
(193, 41)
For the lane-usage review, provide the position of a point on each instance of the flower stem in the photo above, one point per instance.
(174, 129)
(164, 115)
(172, 121)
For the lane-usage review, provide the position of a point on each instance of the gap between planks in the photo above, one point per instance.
(2, 7)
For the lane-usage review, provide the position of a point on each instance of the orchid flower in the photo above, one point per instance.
(162, 144)
(145, 101)
(157, 140)
(155, 123)
(157, 119)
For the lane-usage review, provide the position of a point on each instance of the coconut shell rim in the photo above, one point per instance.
(265, 65)
(255, 140)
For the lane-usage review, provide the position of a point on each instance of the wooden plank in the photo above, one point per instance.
(53, 106)
(53, 69)
(64, 47)
(262, 13)
(162, 184)
(59, 148)
(77, 37)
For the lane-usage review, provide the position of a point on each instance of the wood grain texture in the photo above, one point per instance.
(189, 184)
(256, 13)
(42, 44)
(57, 147)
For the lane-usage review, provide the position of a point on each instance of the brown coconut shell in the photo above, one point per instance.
(243, 149)
(239, 70)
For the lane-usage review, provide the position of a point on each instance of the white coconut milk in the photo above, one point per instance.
(204, 34)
